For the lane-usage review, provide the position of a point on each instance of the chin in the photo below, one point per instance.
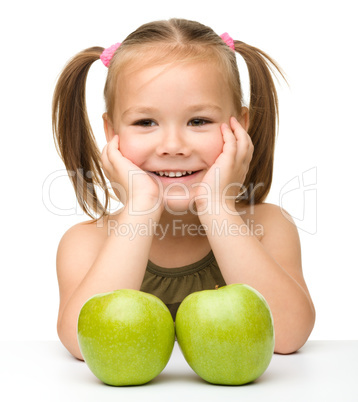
(179, 207)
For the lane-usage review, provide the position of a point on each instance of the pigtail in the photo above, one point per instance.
(73, 134)
(264, 116)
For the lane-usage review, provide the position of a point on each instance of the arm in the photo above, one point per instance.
(92, 260)
(272, 265)
(120, 263)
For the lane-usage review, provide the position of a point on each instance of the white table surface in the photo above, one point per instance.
(45, 371)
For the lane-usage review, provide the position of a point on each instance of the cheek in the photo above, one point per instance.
(213, 148)
(132, 149)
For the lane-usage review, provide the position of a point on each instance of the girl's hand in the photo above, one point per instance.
(226, 176)
(133, 186)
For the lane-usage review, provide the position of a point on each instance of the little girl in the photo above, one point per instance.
(191, 166)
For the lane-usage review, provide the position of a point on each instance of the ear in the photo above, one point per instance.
(245, 118)
(108, 127)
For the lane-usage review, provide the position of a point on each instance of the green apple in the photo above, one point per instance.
(126, 337)
(227, 334)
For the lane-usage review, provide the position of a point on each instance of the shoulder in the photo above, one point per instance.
(279, 235)
(277, 224)
(76, 253)
(80, 244)
(269, 219)
(81, 233)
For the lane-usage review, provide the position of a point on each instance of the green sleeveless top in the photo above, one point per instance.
(172, 285)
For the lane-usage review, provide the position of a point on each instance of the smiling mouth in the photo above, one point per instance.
(175, 174)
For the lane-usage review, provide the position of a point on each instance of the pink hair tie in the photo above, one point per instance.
(108, 53)
(228, 40)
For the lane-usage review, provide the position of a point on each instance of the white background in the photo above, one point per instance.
(315, 42)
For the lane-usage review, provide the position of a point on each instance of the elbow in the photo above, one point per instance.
(69, 340)
(288, 347)
(291, 337)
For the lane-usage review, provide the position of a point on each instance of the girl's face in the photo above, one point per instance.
(168, 119)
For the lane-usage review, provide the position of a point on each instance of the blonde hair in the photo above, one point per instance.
(175, 40)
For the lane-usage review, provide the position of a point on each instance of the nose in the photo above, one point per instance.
(173, 142)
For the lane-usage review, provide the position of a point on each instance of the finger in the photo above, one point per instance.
(237, 128)
(108, 153)
(230, 144)
(114, 142)
(104, 158)
(245, 146)
(240, 133)
(112, 149)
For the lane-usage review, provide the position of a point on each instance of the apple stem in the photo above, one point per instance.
(216, 287)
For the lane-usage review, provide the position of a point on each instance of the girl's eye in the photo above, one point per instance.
(198, 122)
(150, 123)
(145, 123)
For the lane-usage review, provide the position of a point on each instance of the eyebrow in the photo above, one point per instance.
(191, 109)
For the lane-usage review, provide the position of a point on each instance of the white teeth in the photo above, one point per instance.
(174, 174)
